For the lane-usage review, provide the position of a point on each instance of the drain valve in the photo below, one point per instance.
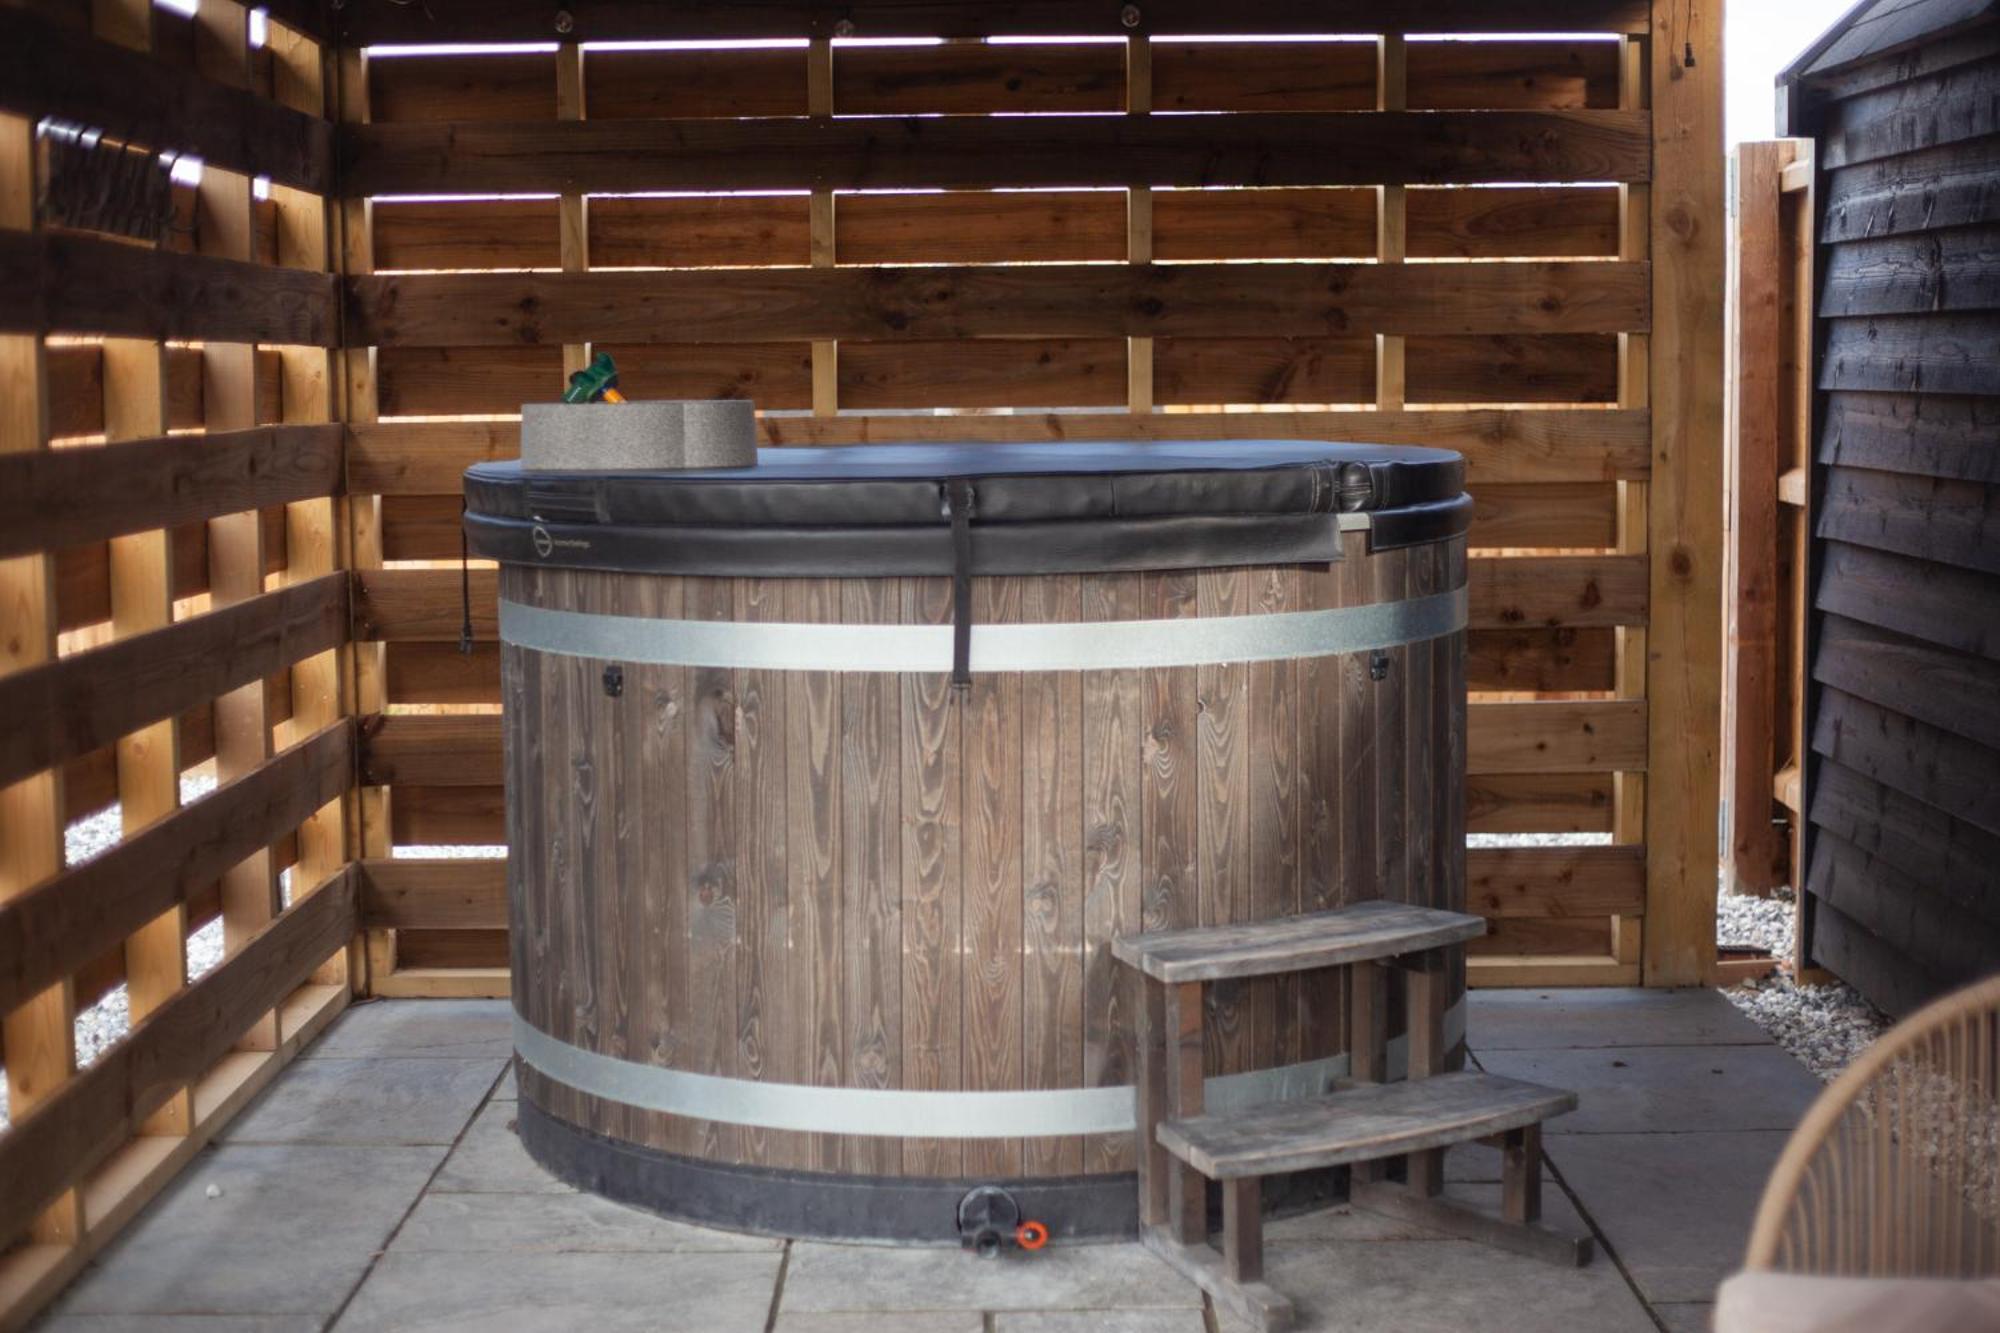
(989, 1220)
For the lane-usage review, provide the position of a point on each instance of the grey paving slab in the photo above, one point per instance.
(491, 1160)
(1445, 1286)
(603, 1293)
(290, 1232)
(1511, 1020)
(1099, 1321)
(509, 1088)
(919, 1321)
(490, 1223)
(1640, 1088)
(472, 1029)
(1686, 1316)
(1675, 1207)
(1475, 1162)
(1077, 1277)
(383, 1100)
(181, 1323)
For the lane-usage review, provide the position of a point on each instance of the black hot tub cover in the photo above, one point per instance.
(883, 510)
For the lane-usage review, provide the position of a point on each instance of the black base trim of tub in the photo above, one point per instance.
(894, 1210)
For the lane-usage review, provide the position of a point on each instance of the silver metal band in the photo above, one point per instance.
(895, 1113)
(1092, 646)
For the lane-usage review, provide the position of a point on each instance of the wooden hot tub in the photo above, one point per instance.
(809, 938)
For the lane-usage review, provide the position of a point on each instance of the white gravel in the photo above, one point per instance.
(1824, 1027)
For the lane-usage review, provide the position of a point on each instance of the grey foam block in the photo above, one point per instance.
(669, 433)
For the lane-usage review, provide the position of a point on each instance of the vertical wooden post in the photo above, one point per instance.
(1521, 1175)
(40, 1034)
(370, 832)
(1155, 1163)
(1428, 983)
(1391, 212)
(1628, 813)
(572, 209)
(1367, 1037)
(225, 228)
(1243, 1228)
(1684, 499)
(1139, 223)
(821, 224)
(1187, 1191)
(1757, 857)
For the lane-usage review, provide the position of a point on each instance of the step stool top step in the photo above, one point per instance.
(1352, 934)
(1359, 1124)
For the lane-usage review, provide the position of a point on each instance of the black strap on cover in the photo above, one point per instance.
(958, 508)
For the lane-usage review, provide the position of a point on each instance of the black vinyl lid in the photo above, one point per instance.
(881, 509)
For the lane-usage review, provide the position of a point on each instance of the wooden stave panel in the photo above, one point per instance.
(1001, 600)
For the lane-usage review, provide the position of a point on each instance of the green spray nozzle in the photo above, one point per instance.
(596, 382)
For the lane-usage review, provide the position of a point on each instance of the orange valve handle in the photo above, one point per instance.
(1031, 1235)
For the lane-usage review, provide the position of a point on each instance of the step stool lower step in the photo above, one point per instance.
(1360, 1124)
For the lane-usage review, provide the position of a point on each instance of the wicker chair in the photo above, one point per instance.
(1895, 1171)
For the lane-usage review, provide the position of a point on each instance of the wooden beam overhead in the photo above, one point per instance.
(911, 152)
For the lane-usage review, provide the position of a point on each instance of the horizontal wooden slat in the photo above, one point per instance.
(1336, 222)
(1542, 937)
(1930, 518)
(1557, 737)
(1557, 591)
(868, 152)
(43, 1152)
(448, 816)
(777, 375)
(76, 389)
(75, 704)
(1936, 437)
(700, 231)
(429, 458)
(1926, 763)
(448, 893)
(1913, 597)
(53, 498)
(1927, 354)
(1054, 300)
(1263, 76)
(59, 926)
(482, 234)
(1910, 915)
(992, 372)
(1542, 368)
(1948, 107)
(465, 381)
(1546, 660)
(1516, 592)
(83, 573)
(55, 283)
(49, 71)
(640, 20)
(1947, 269)
(1511, 221)
(695, 83)
(1950, 186)
(1538, 803)
(510, 85)
(1511, 74)
(1264, 370)
(1555, 881)
(1925, 842)
(973, 79)
(1574, 515)
(975, 227)
(438, 673)
(450, 750)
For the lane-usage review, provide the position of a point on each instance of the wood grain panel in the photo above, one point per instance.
(1515, 75)
(459, 87)
(775, 375)
(698, 231)
(976, 79)
(482, 234)
(1493, 222)
(980, 227)
(1569, 515)
(1549, 368)
(1333, 223)
(438, 381)
(993, 372)
(1263, 76)
(1264, 370)
(621, 85)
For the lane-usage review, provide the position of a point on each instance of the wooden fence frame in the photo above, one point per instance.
(231, 593)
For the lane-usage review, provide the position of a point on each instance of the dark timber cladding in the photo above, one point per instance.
(1903, 855)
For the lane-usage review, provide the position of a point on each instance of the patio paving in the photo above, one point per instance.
(379, 1185)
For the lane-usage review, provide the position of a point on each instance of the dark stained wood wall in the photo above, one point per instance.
(1903, 795)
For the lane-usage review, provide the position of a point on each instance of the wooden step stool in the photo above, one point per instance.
(1363, 1124)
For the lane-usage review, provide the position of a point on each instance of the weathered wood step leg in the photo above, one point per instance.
(1521, 1175)
(1243, 1228)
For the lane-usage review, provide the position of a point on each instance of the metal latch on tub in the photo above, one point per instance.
(957, 495)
